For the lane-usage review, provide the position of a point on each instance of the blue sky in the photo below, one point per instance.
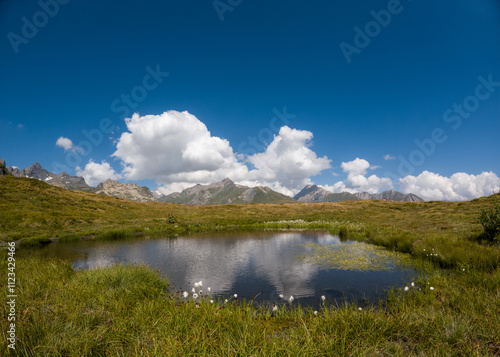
(357, 81)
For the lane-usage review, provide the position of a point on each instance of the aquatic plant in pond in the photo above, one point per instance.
(355, 256)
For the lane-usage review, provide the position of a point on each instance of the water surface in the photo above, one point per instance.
(242, 263)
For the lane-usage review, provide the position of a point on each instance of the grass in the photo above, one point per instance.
(131, 310)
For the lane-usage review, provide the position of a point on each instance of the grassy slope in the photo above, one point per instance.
(30, 207)
(125, 311)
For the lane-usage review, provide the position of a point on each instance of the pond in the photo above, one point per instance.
(305, 265)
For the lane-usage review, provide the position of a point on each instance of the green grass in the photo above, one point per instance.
(131, 311)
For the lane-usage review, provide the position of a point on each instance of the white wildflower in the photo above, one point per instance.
(185, 294)
(323, 298)
(290, 299)
(407, 288)
(195, 295)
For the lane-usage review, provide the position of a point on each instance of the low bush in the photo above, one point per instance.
(490, 220)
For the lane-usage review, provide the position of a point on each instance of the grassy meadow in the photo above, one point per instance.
(452, 310)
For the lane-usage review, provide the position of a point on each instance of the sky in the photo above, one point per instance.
(349, 95)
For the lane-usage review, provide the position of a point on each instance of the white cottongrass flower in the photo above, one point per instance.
(193, 290)
(315, 313)
(235, 296)
(211, 301)
(431, 288)
(195, 295)
(209, 289)
(323, 298)
(196, 285)
(185, 294)
(407, 288)
(200, 283)
(412, 283)
(360, 308)
(290, 299)
(275, 308)
(201, 292)
(281, 296)
(225, 300)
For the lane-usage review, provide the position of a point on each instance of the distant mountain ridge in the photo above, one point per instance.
(314, 193)
(216, 193)
(62, 180)
(226, 192)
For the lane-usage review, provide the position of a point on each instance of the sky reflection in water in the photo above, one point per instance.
(244, 262)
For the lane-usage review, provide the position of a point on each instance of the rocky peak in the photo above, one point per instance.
(126, 191)
(3, 170)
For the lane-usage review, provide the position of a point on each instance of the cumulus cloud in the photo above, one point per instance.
(95, 173)
(338, 187)
(175, 147)
(288, 162)
(458, 187)
(357, 180)
(177, 150)
(67, 144)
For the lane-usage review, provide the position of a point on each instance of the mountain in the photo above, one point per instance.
(3, 169)
(391, 195)
(313, 193)
(225, 192)
(126, 191)
(62, 180)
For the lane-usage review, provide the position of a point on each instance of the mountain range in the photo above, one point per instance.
(314, 193)
(226, 192)
(222, 192)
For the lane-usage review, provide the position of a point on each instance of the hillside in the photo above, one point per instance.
(30, 207)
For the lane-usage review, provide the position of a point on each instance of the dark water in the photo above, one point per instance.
(241, 263)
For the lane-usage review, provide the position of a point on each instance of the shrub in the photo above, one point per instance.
(490, 220)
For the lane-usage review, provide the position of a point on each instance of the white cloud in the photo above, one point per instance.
(356, 179)
(389, 157)
(175, 147)
(458, 187)
(288, 162)
(67, 144)
(95, 173)
(177, 150)
(338, 187)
